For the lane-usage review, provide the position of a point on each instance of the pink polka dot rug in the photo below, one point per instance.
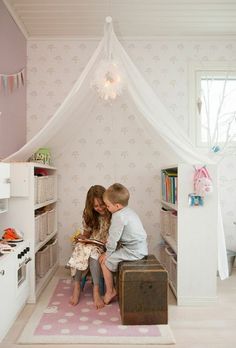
(54, 320)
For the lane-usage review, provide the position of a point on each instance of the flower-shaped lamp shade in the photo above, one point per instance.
(109, 81)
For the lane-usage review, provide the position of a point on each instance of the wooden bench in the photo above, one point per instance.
(143, 292)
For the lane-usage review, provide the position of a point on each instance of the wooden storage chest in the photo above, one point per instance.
(143, 292)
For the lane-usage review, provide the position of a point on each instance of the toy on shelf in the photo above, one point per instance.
(202, 184)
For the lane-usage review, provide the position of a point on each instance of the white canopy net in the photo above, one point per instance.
(107, 74)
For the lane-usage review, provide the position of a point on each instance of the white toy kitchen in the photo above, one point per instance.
(14, 260)
(29, 259)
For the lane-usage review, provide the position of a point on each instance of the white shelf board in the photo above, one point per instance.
(172, 243)
(170, 205)
(40, 205)
(171, 166)
(41, 244)
(39, 165)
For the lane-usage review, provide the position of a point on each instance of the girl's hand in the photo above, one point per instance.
(102, 258)
(81, 236)
(78, 238)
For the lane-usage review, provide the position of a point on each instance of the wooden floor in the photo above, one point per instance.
(212, 326)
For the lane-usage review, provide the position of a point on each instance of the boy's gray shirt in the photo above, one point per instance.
(127, 229)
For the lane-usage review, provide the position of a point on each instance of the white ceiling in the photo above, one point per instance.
(132, 18)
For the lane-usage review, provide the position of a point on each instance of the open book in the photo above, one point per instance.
(91, 241)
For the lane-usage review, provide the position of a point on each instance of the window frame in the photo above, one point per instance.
(196, 70)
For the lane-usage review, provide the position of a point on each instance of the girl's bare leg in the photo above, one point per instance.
(74, 300)
(95, 270)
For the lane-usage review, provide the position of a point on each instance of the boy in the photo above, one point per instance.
(127, 238)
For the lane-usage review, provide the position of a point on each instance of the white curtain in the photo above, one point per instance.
(72, 114)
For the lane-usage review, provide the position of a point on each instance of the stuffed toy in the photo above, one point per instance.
(75, 235)
(202, 182)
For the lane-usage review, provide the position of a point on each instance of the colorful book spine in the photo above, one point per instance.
(169, 185)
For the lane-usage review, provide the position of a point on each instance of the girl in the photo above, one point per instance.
(96, 222)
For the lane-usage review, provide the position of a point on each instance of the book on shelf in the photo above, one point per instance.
(169, 180)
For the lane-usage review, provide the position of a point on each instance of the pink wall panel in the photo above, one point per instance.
(12, 105)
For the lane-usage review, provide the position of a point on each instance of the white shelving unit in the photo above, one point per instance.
(28, 201)
(190, 255)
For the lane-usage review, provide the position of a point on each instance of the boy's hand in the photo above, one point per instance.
(102, 258)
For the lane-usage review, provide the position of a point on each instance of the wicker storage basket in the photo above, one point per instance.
(53, 252)
(173, 218)
(161, 254)
(165, 222)
(35, 189)
(51, 221)
(169, 253)
(43, 226)
(37, 229)
(42, 261)
(51, 185)
(42, 188)
(173, 271)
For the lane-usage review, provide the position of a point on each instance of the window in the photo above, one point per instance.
(214, 107)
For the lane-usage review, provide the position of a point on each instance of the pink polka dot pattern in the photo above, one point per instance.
(61, 318)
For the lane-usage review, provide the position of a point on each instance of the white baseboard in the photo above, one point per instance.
(196, 301)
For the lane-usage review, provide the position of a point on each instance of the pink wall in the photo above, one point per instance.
(12, 105)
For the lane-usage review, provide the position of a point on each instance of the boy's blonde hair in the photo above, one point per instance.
(117, 193)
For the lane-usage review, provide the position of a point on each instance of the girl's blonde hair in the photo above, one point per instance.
(117, 193)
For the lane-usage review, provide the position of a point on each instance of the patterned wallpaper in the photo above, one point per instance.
(112, 146)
